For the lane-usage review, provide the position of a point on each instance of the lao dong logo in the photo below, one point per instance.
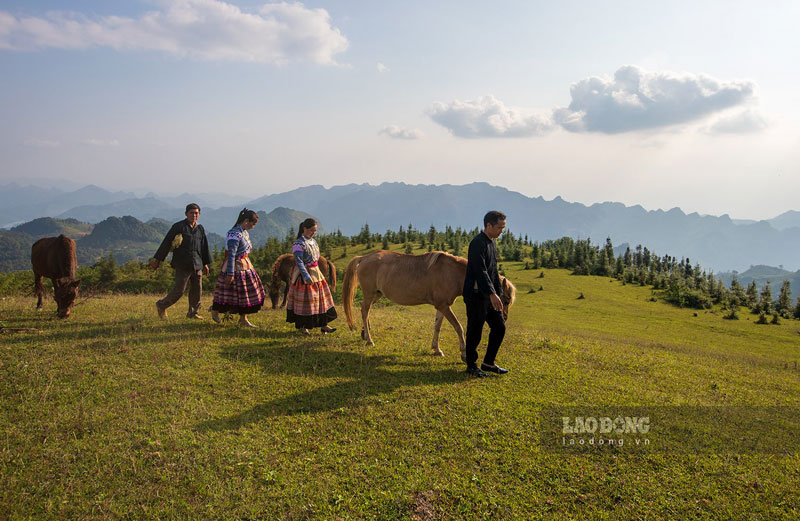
(604, 430)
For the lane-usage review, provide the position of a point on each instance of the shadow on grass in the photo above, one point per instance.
(360, 376)
(52, 329)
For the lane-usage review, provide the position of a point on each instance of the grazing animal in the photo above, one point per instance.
(282, 270)
(54, 258)
(435, 278)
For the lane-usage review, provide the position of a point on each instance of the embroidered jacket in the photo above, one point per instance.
(306, 255)
(237, 245)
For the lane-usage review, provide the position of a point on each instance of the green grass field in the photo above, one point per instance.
(113, 414)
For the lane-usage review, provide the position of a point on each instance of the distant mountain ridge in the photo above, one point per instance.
(716, 242)
(761, 275)
(20, 202)
(790, 219)
(127, 237)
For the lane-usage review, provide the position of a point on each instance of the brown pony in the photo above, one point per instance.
(435, 278)
(54, 258)
(282, 270)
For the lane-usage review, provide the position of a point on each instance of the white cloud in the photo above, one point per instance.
(383, 68)
(745, 122)
(42, 143)
(636, 99)
(397, 132)
(488, 117)
(199, 29)
(95, 142)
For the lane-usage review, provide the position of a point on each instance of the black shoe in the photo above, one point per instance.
(493, 369)
(474, 371)
(327, 329)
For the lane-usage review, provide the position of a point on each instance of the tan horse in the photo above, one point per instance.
(282, 270)
(435, 278)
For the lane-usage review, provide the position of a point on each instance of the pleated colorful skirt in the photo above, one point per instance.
(310, 305)
(244, 296)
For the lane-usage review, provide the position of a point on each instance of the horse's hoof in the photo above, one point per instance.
(438, 353)
(370, 343)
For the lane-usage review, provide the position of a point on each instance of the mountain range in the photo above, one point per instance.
(716, 242)
(763, 274)
(127, 237)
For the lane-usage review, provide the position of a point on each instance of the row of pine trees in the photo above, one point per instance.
(679, 281)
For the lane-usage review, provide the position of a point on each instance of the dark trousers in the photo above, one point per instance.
(480, 311)
(193, 278)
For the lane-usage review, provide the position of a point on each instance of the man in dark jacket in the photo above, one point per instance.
(482, 291)
(190, 258)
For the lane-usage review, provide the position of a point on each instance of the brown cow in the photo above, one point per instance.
(54, 257)
(282, 270)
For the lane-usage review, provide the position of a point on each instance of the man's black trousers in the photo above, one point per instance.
(480, 311)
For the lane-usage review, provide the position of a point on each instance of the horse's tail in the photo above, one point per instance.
(349, 290)
(332, 275)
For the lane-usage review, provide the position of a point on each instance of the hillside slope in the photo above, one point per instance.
(191, 419)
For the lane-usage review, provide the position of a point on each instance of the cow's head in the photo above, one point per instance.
(66, 291)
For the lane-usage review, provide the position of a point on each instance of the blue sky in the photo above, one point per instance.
(690, 104)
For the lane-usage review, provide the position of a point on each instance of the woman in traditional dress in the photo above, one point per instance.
(239, 289)
(310, 303)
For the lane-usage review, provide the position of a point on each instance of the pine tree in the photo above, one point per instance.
(457, 247)
(784, 305)
(797, 309)
(765, 303)
(732, 315)
(751, 297)
(109, 271)
(608, 251)
(737, 294)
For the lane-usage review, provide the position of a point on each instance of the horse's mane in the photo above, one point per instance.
(512, 290)
(435, 255)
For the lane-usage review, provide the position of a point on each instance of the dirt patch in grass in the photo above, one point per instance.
(422, 506)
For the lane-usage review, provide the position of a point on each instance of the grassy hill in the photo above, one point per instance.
(15, 244)
(115, 414)
(49, 227)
